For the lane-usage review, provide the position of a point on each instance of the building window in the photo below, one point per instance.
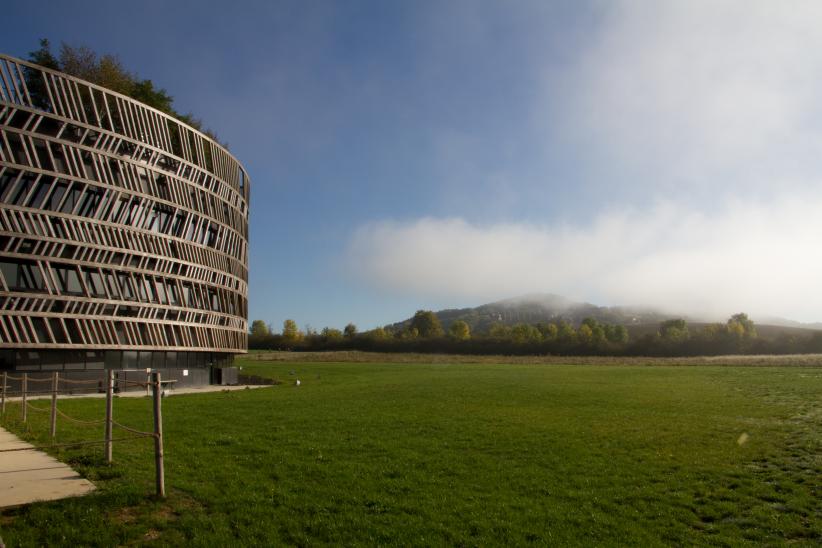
(22, 275)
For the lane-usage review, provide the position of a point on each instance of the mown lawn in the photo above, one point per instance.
(433, 454)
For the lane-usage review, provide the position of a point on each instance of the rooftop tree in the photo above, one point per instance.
(106, 71)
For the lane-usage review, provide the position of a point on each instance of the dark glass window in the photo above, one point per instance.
(7, 177)
(57, 227)
(43, 188)
(58, 189)
(90, 201)
(113, 359)
(40, 330)
(173, 293)
(95, 360)
(68, 280)
(120, 331)
(129, 359)
(73, 331)
(126, 289)
(22, 189)
(73, 196)
(57, 330)
(22, 275)
(94, 282)
(42, 154)
(28, 359)
(161, 291)
(111, 284)
(158, 360)
(16, 148)
(214, 301)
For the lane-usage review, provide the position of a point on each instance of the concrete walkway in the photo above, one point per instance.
(31, 475)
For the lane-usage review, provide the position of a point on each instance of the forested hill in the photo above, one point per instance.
(536, 308)
(549, 324)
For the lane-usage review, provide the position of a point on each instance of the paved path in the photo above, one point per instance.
(29, 476)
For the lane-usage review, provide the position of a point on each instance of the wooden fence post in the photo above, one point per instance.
(54, 381)
(109, 412)
(25, 384)
(158, 434)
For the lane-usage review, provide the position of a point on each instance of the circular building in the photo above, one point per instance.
(123, 234)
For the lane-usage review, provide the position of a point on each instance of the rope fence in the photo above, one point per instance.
(35, 408)
(74, 444)
(28, 392)
(132, 430)
(78, 421)
(133, 383)
(24, 376)
(78, 381)
(155, 385)
(34, 379)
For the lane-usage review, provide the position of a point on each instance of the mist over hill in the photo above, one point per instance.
(547, 307)
(544, 307)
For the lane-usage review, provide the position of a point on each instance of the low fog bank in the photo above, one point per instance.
(762, 258)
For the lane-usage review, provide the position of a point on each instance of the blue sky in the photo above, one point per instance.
(410, 155)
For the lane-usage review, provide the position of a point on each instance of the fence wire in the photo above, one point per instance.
(91, 382)
(31, 379)
(29, 392)
(73, 381)
(35, 408)
(132, 383)
(73, 444)
(132, 430)
(78, 421)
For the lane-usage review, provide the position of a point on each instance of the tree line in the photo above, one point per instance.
(425, 333)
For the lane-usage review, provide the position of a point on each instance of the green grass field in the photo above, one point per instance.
(460, 454)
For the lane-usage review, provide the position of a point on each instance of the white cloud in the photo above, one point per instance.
(719, 93)
(708, 108)
(762, 258)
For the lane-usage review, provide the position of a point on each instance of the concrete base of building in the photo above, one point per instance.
(85, 372)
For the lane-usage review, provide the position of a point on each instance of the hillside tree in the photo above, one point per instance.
(617, 334)
(742, 326)
(499, 331)
(459, 331)
(525, 333)
(585, 334)
(427, 324)
(377, 334)
(675, 330)
(549, 331)
(566, 333)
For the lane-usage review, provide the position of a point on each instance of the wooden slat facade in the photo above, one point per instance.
(120, 227)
